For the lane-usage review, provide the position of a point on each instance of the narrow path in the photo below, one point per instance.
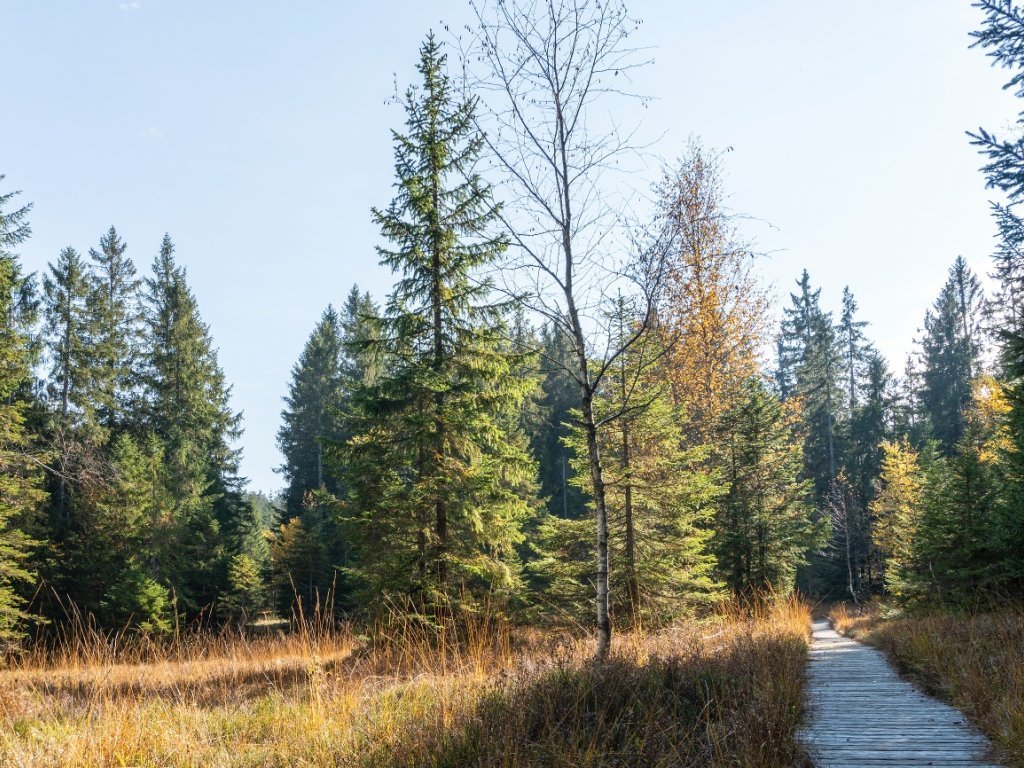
(862, 714)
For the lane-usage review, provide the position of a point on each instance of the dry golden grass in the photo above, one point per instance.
(723, 692)
(856, 621)
(975, 661)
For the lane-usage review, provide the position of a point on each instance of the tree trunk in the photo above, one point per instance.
(632, 587)
(849, 560)
(604, 624)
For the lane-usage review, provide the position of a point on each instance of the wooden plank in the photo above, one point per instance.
(862, 714)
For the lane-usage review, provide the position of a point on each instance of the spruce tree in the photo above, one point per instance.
(951, 352)
(559, 393)
(188, 410)
(440, 483)
(92, 320)
(1002, 38)
(763, 525)
(336, 361)
(855, 349)
(361, 356)
(125, 527)
(957, 541)
(795, 336)
(68, 333)
(660, 497)
(866, 413)
(311, 416)
(114, 314)
(1010, 510)
(20, 481)
(812, 367)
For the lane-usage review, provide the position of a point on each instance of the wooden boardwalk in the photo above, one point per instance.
(862, 714)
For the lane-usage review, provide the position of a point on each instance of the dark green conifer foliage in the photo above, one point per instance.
(336, 361)
(361, 355)
(123, 520)
(559, 395)
(1009, 530)
(795, 336)
(20, 481)
(439, 479)
(68, 333)
(660, 498)
(188, 410)
(309, 546)
(813, 368)
(311, 416)
(1002, 38)
(854, 346)
(953, 557)
(763, 525)
(98, 522)
(951, 352)
(114, 352)
(866, 381)
(870, 425)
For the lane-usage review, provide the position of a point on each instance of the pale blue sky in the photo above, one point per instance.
(256, 133)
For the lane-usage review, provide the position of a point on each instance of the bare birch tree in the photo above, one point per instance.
(541, 68)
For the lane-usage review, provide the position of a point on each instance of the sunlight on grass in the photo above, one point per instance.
(723, 691)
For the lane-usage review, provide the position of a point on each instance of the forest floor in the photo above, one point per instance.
(973, 660)
(726, 691)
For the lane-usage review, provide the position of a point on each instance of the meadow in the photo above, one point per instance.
(723, 691)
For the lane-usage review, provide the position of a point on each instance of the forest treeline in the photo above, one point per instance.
(524, 447)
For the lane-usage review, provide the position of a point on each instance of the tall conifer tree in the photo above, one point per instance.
(311, 415)
(114, 313)
(951, 353)
(440, 485)
(336, 361)
(20, 492)
(763, 526)
(812, 367)
(188, 411)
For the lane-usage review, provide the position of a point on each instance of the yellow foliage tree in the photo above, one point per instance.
(896, 510)
(715, 311)
(986, 418)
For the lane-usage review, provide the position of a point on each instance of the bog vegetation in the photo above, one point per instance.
(479, 692)
(568, 431)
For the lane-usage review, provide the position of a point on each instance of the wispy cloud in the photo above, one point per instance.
(129, 7)
(152, 132)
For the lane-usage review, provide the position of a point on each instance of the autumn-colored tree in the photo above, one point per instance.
(714, 307)
(895, 511)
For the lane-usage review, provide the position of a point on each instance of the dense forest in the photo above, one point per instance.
(557, 413)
